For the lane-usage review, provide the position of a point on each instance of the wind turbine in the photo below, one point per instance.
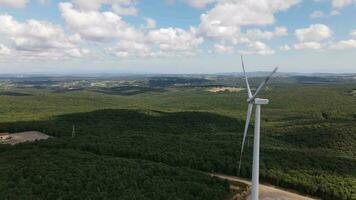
(253, 100)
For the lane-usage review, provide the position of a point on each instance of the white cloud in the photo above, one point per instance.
(315, 32)
(77, 52)
(217, 29)
(308, 45)
(221, 48)
(341, 3)
(93, 25)
(258, 48)
(124, 10)
(37, 36)
(98, 26)
(13, 3)
(225, 19)
(120, 7)
(199, 3)
(175, 39)
(285, 47)
(4, 50)
(344, 44)
(194, 3)
(126, 49)
(316, 44)
(150, 23)
(317, 14)
(88, 5)
(353, 33)
(258, 34)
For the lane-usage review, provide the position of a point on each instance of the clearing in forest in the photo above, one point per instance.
(29, 136)
(225, 89)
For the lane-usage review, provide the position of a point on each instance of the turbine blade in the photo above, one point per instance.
(264, 83)
(248, 117)
(246, 79)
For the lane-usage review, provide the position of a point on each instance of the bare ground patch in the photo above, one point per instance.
(225, 89)
(266, 192)
(29, 136)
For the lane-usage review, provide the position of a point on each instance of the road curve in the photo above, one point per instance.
(268, 192)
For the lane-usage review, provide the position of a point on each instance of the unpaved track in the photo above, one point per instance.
(268, 192)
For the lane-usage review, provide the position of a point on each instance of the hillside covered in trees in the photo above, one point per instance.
(156, 144)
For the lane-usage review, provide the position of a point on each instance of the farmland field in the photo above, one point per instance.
(153, 134)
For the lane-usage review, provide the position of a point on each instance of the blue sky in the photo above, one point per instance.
(176, 36)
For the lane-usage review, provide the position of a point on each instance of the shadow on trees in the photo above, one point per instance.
(128, 90)
(66, 90)
(14, 94)
(113, 121)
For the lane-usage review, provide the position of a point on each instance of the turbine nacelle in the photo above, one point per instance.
(258, 101)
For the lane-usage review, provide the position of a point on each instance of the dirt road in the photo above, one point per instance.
(268, 192)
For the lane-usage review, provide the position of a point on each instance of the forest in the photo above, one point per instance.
(159, 143)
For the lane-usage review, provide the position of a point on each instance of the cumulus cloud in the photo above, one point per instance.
(199, 3)
(13, 3)
(258, 48)
(34, 37)
(94, 25)
(217, 29)
(98, 26)
(222, 22)
(88, 5)
(120, 7)
(316, 42)
(308, 45)
(124, 9)
(353, 33)
(344, 44)
(125, 49)
(314, 38)
(259, 34)
(194, 3)
(221, 48)
(315, 32)
(225, 19)
(232, 25)
(175, 39)
(342, 3)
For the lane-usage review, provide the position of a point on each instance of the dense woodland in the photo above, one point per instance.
(167, 137)
(47, 173)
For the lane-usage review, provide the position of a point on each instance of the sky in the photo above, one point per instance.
(177, 36)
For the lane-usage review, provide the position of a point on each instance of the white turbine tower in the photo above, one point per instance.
(252, 100)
